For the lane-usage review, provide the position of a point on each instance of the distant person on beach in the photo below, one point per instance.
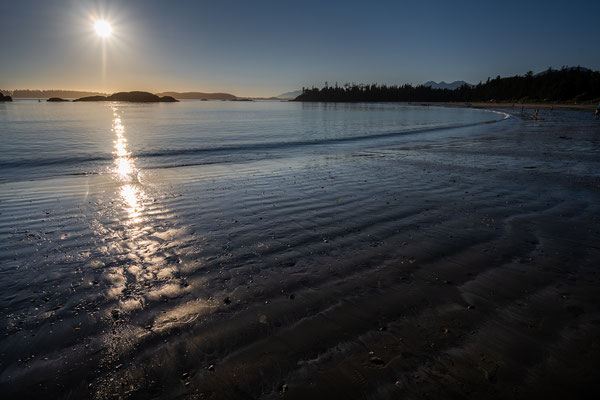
(535, 113)
(597, 113)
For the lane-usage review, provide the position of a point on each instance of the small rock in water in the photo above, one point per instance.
(292, 296)
(227, 300)
(211, 367)
(377, 361)
(283, 388)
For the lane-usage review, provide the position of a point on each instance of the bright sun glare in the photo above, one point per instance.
(103, 28)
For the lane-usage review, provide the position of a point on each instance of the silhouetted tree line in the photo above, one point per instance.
(566, 84)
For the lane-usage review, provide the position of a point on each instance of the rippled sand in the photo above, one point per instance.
(463, 264)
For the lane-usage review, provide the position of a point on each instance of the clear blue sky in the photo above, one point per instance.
(265, 48)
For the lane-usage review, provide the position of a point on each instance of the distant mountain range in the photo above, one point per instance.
(578, 68)
(198, 95)
(290, 95)
(444, 85)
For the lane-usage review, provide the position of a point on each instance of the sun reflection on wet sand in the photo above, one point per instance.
(144, 243)
(148, 275)
(132, 226)
(131, 195)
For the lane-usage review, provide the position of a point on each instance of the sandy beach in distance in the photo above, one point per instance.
(517, 106)
(451, 264)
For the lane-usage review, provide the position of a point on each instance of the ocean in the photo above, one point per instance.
(42, 140)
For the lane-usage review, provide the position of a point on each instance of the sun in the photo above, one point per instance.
(102, 28)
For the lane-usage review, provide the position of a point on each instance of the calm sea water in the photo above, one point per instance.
(41, 140)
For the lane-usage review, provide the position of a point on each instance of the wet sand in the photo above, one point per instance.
(462, 264)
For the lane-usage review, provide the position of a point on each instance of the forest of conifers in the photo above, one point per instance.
(565, 85)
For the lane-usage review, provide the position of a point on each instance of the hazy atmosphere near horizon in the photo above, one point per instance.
(299, 200)
(264, 48)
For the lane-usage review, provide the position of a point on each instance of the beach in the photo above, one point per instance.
(516, 106)
(453, 262)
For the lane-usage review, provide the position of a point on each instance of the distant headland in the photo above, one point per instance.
(5, 98)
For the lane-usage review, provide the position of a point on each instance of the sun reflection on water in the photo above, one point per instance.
(124, 164)
(126, 171)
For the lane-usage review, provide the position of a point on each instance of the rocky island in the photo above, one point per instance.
(136, 97)
(56, 100)
(198, 95)
(5, 98)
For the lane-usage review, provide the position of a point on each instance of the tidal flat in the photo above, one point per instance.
(443, 261)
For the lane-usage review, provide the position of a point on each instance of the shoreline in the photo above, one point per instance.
(515, 106)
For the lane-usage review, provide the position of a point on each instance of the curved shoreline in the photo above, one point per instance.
(517, 106)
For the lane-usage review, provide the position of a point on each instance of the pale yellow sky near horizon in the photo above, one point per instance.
(233, 92)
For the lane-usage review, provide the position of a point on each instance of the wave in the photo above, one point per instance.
(218, 150)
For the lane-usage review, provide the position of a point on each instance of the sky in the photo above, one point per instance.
(264, 48)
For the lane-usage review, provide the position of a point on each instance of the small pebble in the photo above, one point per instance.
(377, 361)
